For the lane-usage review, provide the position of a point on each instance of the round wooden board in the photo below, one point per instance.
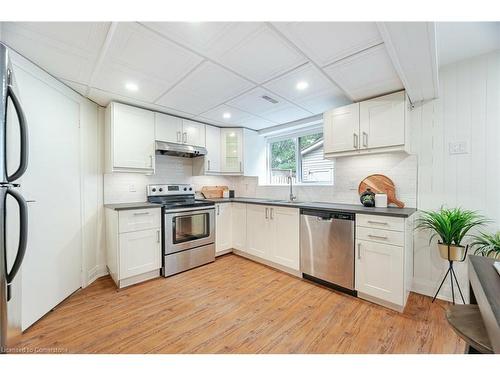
(380, 183)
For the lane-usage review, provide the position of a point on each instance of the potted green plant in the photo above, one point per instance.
(451, 226)
(487, 244)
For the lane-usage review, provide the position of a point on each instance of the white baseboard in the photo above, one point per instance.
(95, 273)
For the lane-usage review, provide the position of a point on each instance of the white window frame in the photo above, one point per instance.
(298, 161)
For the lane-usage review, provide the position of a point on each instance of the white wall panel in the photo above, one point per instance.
(468, 110)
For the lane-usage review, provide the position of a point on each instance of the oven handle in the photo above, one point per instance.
(189, 210)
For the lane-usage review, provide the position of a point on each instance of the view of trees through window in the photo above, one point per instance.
(302, 158)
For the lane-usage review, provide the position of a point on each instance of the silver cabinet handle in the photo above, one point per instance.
(178, 136)
(141, 213)
(218, 209)
(184, 137)
(378, 222)
(267, 213)
(359, 251)
(241, 170)
(158, 236)
(151, 161)
(380, 237)
(355, 140)
(272, 213)
(208, 164)
(365, 139)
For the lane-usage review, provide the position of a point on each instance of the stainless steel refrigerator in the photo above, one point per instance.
(11, 259)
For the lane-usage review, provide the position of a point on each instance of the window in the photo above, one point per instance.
(301, 157)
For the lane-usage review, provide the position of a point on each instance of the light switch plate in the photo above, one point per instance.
(458, 147)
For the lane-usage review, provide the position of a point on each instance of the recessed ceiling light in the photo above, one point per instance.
(302, 85)
(226, 115)
(130, 86)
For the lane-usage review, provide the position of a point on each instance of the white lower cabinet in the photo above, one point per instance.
(133, 245)
(259, 236)
(285, 237)
(384, 259)
(239, 214)
(223, 228)
(139, 252)
(273, 234)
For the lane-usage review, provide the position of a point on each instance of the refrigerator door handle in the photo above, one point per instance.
(23, 234)
(23, 132)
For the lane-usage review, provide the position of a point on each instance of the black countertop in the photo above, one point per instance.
(485, 284)
(132, 206)
(360, 209)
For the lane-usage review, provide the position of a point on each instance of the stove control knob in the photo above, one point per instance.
(153, 190)
(161, 189)
(190, 188)
(185, 189)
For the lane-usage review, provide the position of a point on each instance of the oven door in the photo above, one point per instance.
(186, 229)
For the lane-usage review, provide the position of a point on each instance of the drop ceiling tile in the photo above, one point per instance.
(208, 38)
(216, 114)
(67, 50)
(261, 56)
(367, 74)
(256, 123)
(78, 87)
(206, 87)
(285, 114)
(320, 94)
(327, 42)
(140, 55)
(253, 101)
(103, 98)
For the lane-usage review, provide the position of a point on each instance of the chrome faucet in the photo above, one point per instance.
(292, 197)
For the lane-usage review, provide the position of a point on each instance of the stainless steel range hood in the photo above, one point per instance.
(175, 149)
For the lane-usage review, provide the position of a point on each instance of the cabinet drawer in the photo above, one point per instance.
(381, 222)
(380, 235)
(133, 220)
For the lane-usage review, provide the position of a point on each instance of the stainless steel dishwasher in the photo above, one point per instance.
(327, 248)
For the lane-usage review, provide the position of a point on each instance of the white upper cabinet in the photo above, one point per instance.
(375, 125)
(212, 159)
(176, 130)
(232, 150)
(168, 128)
(130, 139)
(193, 133)
(382, 121)
(341, 129)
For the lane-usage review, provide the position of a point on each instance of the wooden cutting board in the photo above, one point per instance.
(213, 191)
(379, 183)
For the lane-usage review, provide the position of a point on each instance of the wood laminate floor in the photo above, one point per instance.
(236, 306)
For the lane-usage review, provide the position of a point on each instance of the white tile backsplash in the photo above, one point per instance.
(349, 171)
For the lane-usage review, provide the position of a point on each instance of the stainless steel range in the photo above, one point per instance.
(188, 227)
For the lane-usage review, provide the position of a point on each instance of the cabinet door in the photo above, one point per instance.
(140, 252)
(223, 230)
(239, 226)
(133, 137)
(341, 129)
(285, 228)
(258, 231)
(379, 271)
(382, 121)
(168, 128)
(193, 133)
(212, 159)
(232, 150)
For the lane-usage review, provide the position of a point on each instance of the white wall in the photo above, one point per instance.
(348, 173)
(468, 110)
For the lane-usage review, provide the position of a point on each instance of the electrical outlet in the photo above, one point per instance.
(458, 147)
(131, 188)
